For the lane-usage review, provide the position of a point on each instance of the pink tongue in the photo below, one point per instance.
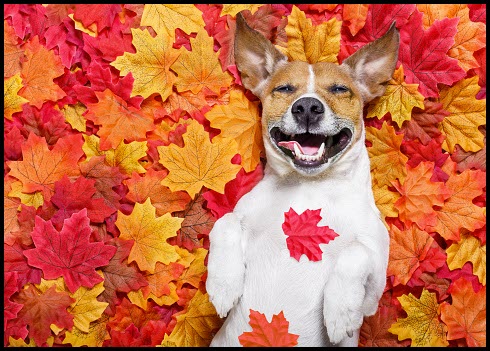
(305, 150)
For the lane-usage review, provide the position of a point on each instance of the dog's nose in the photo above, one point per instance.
(307, 111)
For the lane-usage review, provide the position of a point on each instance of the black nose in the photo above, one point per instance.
(307, 111)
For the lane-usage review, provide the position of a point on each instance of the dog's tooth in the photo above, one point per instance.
(320, 151)
(297, 151)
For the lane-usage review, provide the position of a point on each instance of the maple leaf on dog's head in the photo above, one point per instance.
(149, 65)
(422, 324)
(38, 72)
(423, 54)
(199, 163)
(200, 67)
(68, 253)
(466, 316)
(312, 43)
(150, 234)
(118, 121)
(40, 167)
(266, 334)
(304, 234)
(42, 310)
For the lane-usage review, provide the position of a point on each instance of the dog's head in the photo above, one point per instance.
(312, 114)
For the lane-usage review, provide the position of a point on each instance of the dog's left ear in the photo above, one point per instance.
(372, 66)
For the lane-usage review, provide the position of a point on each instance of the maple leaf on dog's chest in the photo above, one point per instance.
(304, 234)
(264, 333)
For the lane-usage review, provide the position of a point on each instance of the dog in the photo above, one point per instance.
(316, 158)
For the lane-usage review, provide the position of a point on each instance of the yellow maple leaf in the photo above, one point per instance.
(387, 161)
(12, 102)
(422, 324)
(312, 43)
(240, 120)
(195, 327)
(385, 200)
(193, 274)
(74, 116)
(91, 30)
(164, 19)
(466, 115)
(399, 99)
(21, 343)
(468, 249)
(233, 9)
(150, 234)
(199, 163)
(94, 338)
(125, 156)
(200, 67)
(150, 64)
(35, 199)
(138, 297)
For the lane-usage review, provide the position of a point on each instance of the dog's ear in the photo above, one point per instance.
(255, 56)
(372, 66)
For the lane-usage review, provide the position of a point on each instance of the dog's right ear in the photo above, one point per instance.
(255, 56)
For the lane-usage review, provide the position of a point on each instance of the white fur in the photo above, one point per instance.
(250, 267)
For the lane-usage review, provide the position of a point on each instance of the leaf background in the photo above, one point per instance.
(60, 60)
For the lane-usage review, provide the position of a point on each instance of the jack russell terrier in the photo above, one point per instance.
(313, 131)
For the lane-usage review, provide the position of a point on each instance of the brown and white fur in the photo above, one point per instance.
(249, 265)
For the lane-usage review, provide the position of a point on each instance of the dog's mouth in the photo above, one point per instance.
(311, 150)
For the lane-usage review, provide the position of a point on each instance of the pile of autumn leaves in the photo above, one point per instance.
(127, 134)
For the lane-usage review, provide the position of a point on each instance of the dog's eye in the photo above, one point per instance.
(284, 88)
(338, 89)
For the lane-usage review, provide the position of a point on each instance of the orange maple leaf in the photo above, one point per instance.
(149, 186)
(193, 274)
(118, 121)
(418, 196)
(458, 211)
(150, 234)
(38, 72)
(407, 249)
(355, 15)
(265, 334)
(240, 120)
(387, 161)
(159, 280)
(199, 163)
(40, 167)
(200, 67)
(12, 54)
(466, 316)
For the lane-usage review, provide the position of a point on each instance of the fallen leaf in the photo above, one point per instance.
(192, 275)
(265, 334)
(199, 163)
(68, 253)
(466, 316)
(38, 72)
(95, 337)
(468, 249)
(424, 123)
(150, 234)
(12, 102)
(12, 53)
(422, 324)
(239, 120)
(195, 327)
(466, 114)
(355, 15)
(374, 330)
(40, 167)
(150, 64)
(399, 99)
(102, 15)
(233, 9)
(74, 116)
(304, 236)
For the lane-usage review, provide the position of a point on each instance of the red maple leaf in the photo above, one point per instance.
(423, 54)
(12, 142)
(72, 197)
(264, 333)
(417, 152)
(10, 287)
(221, 204)
(15, 261)
(102, 15)
(68, 253)
(466, 272)
(304, 234)
(42, 310)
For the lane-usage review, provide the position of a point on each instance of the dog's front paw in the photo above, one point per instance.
(223, 294)
(343, 324)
